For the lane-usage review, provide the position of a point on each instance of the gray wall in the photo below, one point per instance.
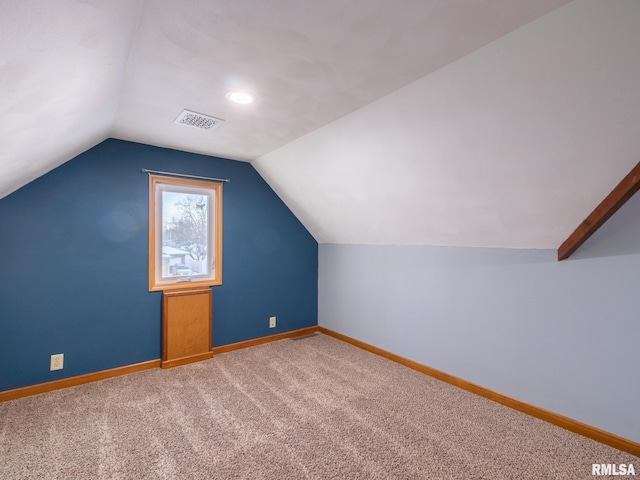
(564, 336)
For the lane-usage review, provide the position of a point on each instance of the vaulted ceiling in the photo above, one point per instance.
(442, 122)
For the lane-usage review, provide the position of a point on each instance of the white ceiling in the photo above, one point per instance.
(61, 70)
(377, 121)
(512, 145)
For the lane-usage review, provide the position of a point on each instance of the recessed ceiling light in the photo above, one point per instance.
(243, 98)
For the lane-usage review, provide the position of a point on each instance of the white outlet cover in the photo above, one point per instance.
(57, 362)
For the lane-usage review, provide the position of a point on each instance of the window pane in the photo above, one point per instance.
(185, 234)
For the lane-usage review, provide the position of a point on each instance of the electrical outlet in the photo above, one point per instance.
(57, 361)
(272, 322)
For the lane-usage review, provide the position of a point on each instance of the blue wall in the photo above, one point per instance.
(73, 274)
(564, 336)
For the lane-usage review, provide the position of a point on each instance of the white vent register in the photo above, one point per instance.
(198, 120)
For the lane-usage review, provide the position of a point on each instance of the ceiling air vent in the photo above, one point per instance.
(197, 120)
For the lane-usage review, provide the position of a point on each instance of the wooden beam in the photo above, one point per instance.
(610, 205)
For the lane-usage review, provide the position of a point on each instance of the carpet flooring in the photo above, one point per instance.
(314, 408)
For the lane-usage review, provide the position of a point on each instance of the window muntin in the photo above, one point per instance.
(185, 233)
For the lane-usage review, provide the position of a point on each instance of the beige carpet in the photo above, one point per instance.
(294, 409)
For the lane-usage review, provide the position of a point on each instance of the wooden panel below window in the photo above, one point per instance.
(186, 329)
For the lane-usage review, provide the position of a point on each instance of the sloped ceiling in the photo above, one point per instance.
(512, 145)
(484, 123)
(61, 70)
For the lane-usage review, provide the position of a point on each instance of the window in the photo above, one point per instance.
(185, 233)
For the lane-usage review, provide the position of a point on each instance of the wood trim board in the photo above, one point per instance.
(567, 423)
(176, 362)
(262, 340)
(78, 380)
(27, 391)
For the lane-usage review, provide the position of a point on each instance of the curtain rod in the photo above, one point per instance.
(184, 175)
